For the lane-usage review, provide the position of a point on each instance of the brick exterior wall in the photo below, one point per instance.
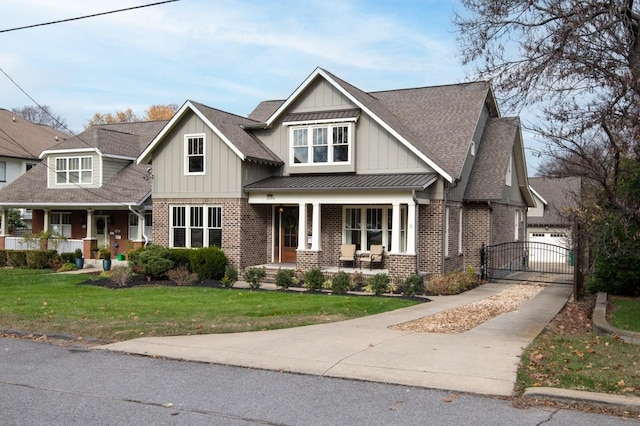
(477, 230)
(455, 259)
(401, 266)
(429, 238)
(245, 228)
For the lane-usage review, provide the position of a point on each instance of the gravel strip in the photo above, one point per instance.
(464, 318)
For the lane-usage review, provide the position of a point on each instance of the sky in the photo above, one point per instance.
(227, 54)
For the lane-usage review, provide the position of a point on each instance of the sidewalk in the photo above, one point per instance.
(483, 360)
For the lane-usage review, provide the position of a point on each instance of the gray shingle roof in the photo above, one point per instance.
(492, 159)
(418, 181)
(129, 186)
(264, 110)
(231, 126)
(560, 194)
(23, 139)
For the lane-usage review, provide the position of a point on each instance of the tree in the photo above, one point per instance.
(577, 65)
(41, 115)
(154, 113)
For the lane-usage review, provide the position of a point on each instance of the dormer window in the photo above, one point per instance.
(74, 170)
(321, 144)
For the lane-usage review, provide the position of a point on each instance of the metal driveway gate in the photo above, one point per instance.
(527, 261)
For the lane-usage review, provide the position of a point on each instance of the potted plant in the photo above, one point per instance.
(79, 259)
(105, 254)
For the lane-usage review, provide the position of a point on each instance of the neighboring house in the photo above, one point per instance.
(89, 190)
(21, 143)
(549, 221)
(429, 173)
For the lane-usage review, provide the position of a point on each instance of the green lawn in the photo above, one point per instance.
(49, 303)
(625, 313)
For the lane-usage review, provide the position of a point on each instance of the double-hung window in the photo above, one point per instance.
(376, 228)
(194, 159)
(196, 226)
(60, 224)
(321, 144)
(75, 170)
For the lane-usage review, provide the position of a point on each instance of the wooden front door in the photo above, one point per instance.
(286, 242)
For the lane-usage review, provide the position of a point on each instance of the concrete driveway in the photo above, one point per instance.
(483, 360)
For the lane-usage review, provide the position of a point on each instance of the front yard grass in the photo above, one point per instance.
(567, 354)
(625, 313)
(48, 303)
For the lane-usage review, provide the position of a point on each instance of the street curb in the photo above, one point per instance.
(603, 328)
(581, 397)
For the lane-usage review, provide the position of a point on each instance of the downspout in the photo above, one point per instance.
(140, 221)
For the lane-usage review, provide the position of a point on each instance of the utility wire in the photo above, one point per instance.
(87, 16)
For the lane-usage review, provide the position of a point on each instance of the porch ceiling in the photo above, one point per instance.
(342, 182)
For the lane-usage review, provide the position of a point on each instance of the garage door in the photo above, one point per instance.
(553, 247)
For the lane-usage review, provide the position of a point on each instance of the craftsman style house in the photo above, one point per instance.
(88, 190)
(429, 174)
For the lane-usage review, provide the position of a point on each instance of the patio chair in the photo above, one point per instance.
(347, 254)
(374, 256)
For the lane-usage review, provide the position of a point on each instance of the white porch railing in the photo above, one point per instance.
(17, 243)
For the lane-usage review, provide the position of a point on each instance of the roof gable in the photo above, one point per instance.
(230, 128)
(559, 194)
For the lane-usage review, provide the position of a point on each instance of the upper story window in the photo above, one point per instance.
(321, 144)
(74, 170)
(508, 177)
(194, 151)
(3, 171)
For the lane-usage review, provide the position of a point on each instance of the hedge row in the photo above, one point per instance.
(155, 262)
(31, 259)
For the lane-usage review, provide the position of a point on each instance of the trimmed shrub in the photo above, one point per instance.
(285, 278)
(17, 258)
(68, 257)
(120, 276)
(412, 285)
(340, 283)
(230, 276)
(313, 279)
(181, 257)
(40, 259)
(152, 261)
(208, 262)
(378, 284)
(254, 275)
(182, 276)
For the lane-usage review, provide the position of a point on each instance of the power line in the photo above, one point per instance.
(87, 16)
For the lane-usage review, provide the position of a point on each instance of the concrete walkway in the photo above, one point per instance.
(483, 360)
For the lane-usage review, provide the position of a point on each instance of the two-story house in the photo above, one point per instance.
(21, 142)
(88, 190)
(429, 173)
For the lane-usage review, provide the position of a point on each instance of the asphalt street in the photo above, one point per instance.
(44, 384)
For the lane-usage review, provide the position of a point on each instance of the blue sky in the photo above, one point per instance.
(226, 54)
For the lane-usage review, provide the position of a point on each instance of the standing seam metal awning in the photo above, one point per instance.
(341, 182)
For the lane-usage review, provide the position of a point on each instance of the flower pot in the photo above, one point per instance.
(106, 264)
(79, 262)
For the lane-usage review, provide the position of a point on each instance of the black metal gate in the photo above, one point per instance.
(527, 261)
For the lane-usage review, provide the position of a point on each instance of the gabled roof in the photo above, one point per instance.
(560, 195)
(500, 140)
(123, 140)
(128, 187)
(20, 138)
(435, 123)
(228, 127)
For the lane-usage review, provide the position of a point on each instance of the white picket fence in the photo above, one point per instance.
(17, 243)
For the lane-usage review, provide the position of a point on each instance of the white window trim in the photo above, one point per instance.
(67, 172)
(62, 226)
(472, 148)
(447, 213)
(329, 126)
(148, 225)
(509, 177)
(3, 171)
(460, 222)
(186, 154)
(205, 223)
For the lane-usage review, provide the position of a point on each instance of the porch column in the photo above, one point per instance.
(395, 228)
(302, 226)
(412, 227)
(141, 225)
(4, 226)
(90, 229)
(315, 228)
(46, 221)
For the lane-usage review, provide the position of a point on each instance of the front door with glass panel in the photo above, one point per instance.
(286, 234)
(102, 230)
